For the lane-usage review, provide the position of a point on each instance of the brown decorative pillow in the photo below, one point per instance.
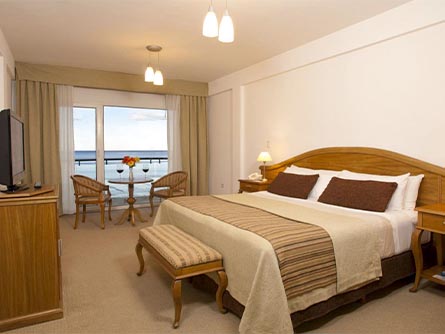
(293, 185)
(363, 195)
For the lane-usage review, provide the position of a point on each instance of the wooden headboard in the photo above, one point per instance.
(372, 161)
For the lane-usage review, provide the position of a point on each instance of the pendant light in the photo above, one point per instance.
(158, 79)
(150, 74)
(210, 26)
(226, 31)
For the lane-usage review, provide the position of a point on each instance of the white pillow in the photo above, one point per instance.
(324, 178)
(397, 199)
(411, 192)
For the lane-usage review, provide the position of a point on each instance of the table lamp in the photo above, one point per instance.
(264, 157)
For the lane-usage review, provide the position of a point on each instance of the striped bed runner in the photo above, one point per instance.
(305, 252)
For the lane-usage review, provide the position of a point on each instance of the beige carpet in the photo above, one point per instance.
(102, 294)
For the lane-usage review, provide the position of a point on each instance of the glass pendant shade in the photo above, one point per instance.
(210, 26)
(149, 74)
(226, 31)
(158, 78)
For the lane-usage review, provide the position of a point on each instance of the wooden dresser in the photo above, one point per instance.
(30, 274)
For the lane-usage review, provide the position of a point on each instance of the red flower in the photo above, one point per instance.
(130, 161)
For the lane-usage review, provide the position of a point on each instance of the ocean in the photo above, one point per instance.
(157, 161)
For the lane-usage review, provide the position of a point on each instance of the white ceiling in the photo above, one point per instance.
(112, 34)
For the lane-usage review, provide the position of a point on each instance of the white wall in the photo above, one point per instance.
(220, 142)
(378, 83)
(8, 88)
(6, 77)
(7, 72)
(3, 102)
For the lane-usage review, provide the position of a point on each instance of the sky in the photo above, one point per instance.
(125, 129)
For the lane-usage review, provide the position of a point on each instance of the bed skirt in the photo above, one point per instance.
(394, 268)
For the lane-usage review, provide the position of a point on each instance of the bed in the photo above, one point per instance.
(254, 292)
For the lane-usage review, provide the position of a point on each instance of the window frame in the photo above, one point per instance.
(95, 107)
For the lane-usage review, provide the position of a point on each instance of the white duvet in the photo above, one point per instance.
(403, 222)
(251, 265)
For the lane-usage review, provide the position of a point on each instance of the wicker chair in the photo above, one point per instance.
(172, 185)
(90, 191)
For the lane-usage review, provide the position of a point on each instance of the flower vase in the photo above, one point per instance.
(130, 175)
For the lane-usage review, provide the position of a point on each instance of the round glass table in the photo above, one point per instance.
(131, 212)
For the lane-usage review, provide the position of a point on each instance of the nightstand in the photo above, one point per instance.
(251, 186)
(431, 218)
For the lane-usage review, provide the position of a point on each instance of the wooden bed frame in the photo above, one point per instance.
(361, 160)
(371, 161)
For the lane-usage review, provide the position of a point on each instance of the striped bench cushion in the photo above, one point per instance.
(177, 247)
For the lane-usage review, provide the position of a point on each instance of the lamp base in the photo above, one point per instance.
(264, 172)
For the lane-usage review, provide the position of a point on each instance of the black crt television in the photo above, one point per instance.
(12, 151)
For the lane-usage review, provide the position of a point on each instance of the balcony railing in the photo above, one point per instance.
(143, 159)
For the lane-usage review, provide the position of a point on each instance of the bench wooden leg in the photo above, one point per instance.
(176, 290)
(140, 258)
(221, 288)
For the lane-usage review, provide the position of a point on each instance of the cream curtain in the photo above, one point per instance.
(173, 105)
(193, 124)
(37, 106)
(66, 146)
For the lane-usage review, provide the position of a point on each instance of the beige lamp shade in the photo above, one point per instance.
(264, 157)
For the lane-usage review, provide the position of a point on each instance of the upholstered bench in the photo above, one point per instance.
(182, 256)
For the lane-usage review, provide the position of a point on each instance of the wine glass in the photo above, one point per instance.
(120, 169)
(145, 169)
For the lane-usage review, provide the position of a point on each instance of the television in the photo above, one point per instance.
(12, 151)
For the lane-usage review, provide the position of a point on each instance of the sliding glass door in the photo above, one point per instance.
(135, 132)
(105, 134)
(84, 122)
